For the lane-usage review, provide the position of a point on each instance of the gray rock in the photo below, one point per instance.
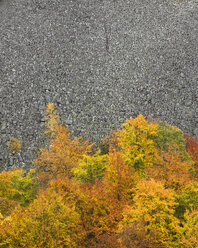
(100, 62)
(196, 132)
(3, 125)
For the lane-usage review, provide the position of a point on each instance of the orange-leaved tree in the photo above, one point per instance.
(99, 211)
(63, 152)
(192, 147)
(120, 178)
(172, 169)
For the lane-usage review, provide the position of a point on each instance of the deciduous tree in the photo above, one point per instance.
(172, 169)
(91, 168)
(153, 212)
(49, 222)
(136, 144)
(63, 153)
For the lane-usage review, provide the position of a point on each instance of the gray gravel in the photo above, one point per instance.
(100, 62)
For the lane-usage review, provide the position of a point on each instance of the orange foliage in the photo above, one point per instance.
(62, 156)
(120, 177)
(172, 170)
(136, 236)
(129, 202)
(100, 211)
(108, 241)
(63, 152)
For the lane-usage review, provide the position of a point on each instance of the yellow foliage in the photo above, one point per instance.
(14, 145)
(49, 222)
(154, 206)
(130, 194)
(51, 120)
(136, 144)
(190, 229)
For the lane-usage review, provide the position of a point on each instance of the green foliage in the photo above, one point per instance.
(170, 136)
(26, 188)
(187, 200)
(91, 168)
(104, 147)
(15, 186)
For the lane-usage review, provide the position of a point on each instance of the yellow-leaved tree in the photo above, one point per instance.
(136, 145)
(49, 222)
(150, 218)
(52, 121)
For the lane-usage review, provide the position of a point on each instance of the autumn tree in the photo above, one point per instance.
(172, 169)
(16, 186)
(100, 212)
(120, 178)
(192, 149)
(63, 152)
(170, 136)
(151, 216)
(91, 168)
(136, 144)
(52, 121)
(14, 145)
(49, 222)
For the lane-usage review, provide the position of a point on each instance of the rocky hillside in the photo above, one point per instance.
(99, 62)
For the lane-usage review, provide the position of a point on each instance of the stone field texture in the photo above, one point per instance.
(99, 62)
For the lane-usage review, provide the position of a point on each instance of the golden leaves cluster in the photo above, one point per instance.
(141, 192)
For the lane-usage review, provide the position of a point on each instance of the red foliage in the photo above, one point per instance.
(192, 147)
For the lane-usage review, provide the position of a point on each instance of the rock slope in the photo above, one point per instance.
(100, 62)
